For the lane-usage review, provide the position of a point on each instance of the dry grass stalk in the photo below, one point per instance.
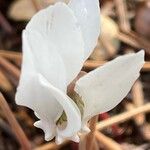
(108, 46)
(143, 42)
(121, 8)
(128, 40)
(107, 142)
(11, 54)
(146, 66)
(16, 57)
(5, 24)
(123, 117)
(89, 64)
(92, 64)
(23, 114)
(5, 85)
(6, 128)
(138, 100)
(10, 77)
(51, 146)
(9, 67)
(137, 119)
(36, 5)
(23, 140)
(144, 127)
(135, 41)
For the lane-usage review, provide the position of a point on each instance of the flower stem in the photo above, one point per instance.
(90, 140)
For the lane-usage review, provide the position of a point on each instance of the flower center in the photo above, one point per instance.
(80, 104)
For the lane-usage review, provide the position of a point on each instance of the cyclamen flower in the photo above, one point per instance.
(56, 42)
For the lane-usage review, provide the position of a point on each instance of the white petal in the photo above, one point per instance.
(88, 15)
(47, 60)
(27, 61)
(69, 107)
(75, 138)
(31, 66)
(58, 26)
(48, 127)
(102, 89)
(32, 94)
(48, 102)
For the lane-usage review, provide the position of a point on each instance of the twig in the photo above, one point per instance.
(11, 55)
(35, 4)
(51, 146)
(128, 40)
(24, 142)
(107, 142)
(110, 49)
(89, 64)
(138, 100)
(10, 67)
(107, 8)
(143, 42)
(10, 77)
(122, 14)
(16, 57)
(116, 130)
(23, 114)
(5, 24)
(5, 127)
(123, 117)
(130, 107)
(92, 64)
(5, 85)
(146, 66)
(135, 41)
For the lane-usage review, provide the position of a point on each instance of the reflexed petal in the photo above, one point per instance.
(102, 89)
(88, 15)
(48, 103)
(57, 25)
(69, 107)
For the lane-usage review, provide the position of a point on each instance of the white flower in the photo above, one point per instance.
(56, 42)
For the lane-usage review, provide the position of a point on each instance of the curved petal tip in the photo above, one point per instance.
(85, 128)
(141, 54)
(48, 130)
(59, 140)
(75, 138)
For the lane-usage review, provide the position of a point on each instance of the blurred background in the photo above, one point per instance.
(125, 28)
